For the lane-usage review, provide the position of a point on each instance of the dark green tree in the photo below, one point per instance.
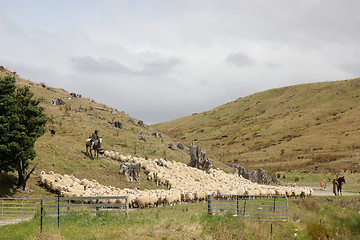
(22, 122)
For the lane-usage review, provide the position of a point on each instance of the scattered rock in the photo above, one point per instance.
(142, 138)
(117, 124)
(157, 134)
(141, 124)
(75, 95)
(58, 101)
(180, 146)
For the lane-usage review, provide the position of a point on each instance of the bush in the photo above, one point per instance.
(312, 204)
(318, 231)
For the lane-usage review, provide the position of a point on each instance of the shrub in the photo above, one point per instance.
(312, 204)
(318, 231)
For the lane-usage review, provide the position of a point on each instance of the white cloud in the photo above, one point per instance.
(240, 60)
(159, 60)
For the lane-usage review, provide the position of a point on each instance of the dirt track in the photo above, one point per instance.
(328, 192)
(12, 220)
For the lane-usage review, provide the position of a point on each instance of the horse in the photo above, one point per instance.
(337, 185)
(96, 147)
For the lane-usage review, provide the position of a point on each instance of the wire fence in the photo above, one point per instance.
(51, 209)
(256, 208)
(14, 210)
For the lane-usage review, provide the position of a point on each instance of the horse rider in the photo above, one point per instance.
(94, 137)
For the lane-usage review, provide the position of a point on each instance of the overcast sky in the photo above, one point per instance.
(159, 60)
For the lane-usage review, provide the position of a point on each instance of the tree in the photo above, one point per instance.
(22, 122)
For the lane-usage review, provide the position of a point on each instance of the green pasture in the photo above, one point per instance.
(310, 218)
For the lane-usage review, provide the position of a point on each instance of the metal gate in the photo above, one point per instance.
(257, 208)
(13, 210)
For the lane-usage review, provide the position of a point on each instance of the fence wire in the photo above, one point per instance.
(257, 208)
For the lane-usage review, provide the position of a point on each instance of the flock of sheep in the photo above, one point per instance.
(183, 183)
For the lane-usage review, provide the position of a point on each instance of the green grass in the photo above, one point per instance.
(313, 179)
(311, 218)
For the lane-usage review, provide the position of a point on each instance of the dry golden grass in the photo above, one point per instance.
(301, 126)
(74, 122)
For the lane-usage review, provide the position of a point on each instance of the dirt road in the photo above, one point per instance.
(329, 192)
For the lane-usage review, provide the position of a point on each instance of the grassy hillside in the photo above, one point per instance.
(74, 122)
(297, 127)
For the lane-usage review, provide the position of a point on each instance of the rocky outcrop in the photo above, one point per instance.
(258, 176)
(199, 159)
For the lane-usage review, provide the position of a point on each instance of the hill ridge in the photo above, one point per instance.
(304, 125)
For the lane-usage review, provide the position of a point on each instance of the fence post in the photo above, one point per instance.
(259, 209)
(127, 206)
(209, 204)
(244, 208)
(274, 204)
(287, 210)
(237, 205)
(41, 215)
(2, 208)
(97, 206)
(58, 211)
(22, 209)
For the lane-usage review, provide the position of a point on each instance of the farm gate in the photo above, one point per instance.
(13, 210)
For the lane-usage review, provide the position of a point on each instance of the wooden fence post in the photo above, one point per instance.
(97, 207)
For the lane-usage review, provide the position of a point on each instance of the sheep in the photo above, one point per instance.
(43, 177)
(184, 183)
(58, 186)
(297, 192)
(143, 201)
(280, 192)
(187, 197)
(200, 196)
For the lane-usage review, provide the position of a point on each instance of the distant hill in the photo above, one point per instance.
(73, 123)
(307, 126)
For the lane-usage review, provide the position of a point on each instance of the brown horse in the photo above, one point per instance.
(96, 147)
(337, 185)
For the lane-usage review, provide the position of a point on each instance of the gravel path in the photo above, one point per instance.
(13, 220)
(328, 192)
